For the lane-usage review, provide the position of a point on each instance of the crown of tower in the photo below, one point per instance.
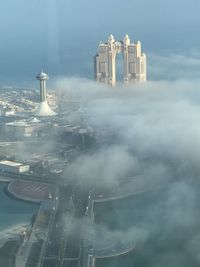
(42, 76)
(111, 39)
(127, 40)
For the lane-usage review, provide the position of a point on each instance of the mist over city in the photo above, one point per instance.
(99, 133)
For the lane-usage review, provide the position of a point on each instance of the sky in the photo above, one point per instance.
(62, 36)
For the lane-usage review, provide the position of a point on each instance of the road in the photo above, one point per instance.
(64, 242)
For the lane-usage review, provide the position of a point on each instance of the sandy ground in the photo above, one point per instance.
(11, 233)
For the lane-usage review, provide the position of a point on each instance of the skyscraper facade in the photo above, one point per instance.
(134, 61)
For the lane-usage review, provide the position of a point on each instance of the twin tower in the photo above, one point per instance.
(134, 61)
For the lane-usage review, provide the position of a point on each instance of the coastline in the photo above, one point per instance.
(30, 191)
(12, 236)
(10, 242)
(12, 233)
(16, 197)
(5, 179)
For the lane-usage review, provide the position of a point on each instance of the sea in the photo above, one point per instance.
(14, 212)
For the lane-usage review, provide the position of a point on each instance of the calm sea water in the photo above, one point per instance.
(13, 211)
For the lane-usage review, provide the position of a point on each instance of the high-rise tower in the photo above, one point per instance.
(134, 61)
(43, 77)
(43, 109)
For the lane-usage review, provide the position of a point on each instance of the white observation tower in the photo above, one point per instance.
(43, 109)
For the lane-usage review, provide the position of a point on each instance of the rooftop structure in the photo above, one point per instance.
(134, 61)
(15, 167)
(23, 123)
(10, 163)
(43, 110)
(23, 128)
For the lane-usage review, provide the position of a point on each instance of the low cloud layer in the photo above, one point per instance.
(150, 131)
(148, 125)
(172, 66)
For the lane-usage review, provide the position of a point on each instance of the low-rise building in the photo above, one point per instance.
(15, 167)
(23, 128)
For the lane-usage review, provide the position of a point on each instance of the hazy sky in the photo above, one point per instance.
(62, 35)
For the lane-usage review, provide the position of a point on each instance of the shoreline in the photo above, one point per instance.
(15, 197)
(12, 236)
(30, 191)
(5, 179)
(11, 194)
(11, 239)
(13, 232)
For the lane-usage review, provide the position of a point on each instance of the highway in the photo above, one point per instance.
(64, 241)
(56, 237)
(72, 247)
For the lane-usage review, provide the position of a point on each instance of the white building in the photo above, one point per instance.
(15, 167)
(43, 109)
(23, 128)
(134, 61)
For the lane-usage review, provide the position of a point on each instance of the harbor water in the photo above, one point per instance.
(14, 212)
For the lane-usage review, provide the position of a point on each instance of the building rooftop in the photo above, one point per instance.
(11, 163)
(23, 123)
